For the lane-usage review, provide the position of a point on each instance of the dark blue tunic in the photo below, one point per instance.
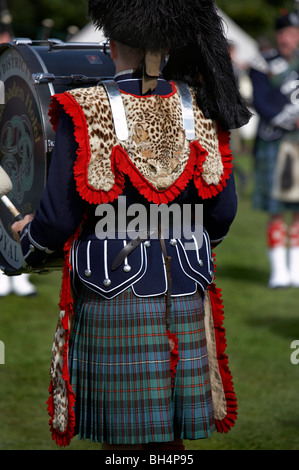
(61, 211)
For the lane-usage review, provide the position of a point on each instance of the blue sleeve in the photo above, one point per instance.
(267, 101)
(61, 208)
(220, 211)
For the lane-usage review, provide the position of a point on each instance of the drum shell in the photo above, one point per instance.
(26, 135)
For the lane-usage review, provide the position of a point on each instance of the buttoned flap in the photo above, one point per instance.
(196, 262)
(93, 264)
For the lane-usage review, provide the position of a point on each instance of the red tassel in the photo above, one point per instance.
(174, 355)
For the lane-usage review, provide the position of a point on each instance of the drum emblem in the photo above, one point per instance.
(17, 148)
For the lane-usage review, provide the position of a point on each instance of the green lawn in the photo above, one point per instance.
(260, 324)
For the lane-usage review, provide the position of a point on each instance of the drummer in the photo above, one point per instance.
(132, 356)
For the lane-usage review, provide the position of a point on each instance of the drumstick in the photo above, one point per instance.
(5, 188)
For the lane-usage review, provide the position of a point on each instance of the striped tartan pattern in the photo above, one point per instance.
(120, 370)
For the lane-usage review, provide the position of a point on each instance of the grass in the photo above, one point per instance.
(260, 327)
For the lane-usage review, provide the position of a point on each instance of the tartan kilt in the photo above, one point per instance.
(119, 363)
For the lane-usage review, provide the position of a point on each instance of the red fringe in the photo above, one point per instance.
(205, 190)
(228, 422)
(62, 439)
(174, 355)
(121, 160)
(66, 305)
(122, 165)
(87, 192)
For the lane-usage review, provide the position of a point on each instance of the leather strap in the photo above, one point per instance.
(151, 71)
(167, 261)
(131, 245)
(125, 251)
(117, 109)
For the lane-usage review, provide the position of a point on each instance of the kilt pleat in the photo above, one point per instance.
(120, 370)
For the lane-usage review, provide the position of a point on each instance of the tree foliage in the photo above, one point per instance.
(256, 17)
(28, 16)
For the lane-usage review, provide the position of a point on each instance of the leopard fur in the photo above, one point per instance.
(157, 143)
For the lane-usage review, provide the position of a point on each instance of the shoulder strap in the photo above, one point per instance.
(119, 115)
(187, 109)
(117, 109)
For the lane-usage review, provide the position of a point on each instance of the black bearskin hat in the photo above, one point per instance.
(199, 51)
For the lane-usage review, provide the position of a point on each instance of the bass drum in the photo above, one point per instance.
(30, 73)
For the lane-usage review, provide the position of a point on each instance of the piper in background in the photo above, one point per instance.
(275, 89)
